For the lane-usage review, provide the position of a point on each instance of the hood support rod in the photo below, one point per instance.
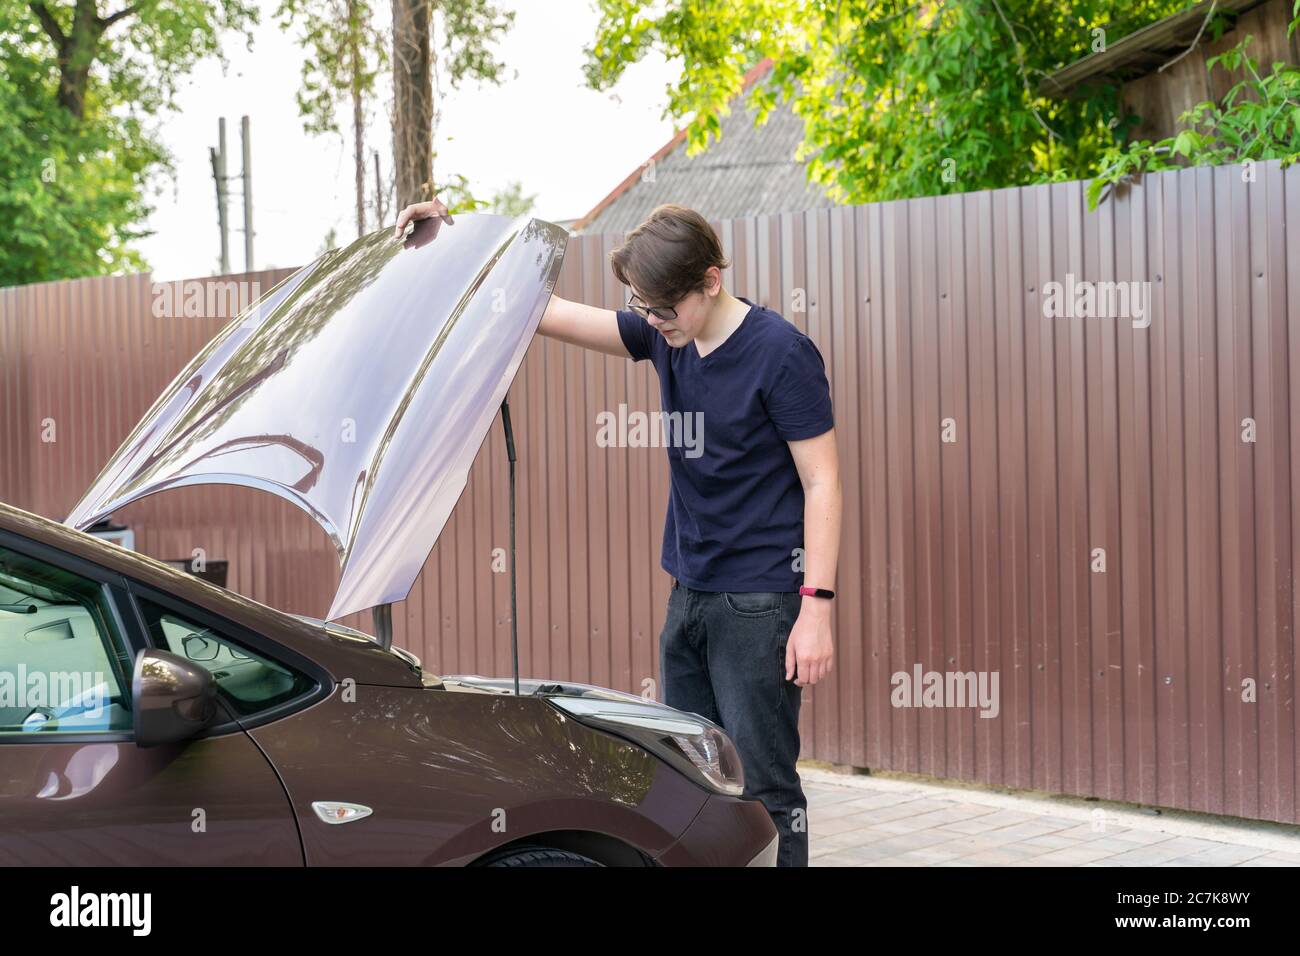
(382, 616)
(514, 609)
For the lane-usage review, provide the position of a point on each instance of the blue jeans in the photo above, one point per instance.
(722, 656)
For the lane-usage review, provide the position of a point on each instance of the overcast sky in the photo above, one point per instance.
(565, 143)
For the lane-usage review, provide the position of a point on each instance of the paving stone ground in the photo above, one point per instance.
(861, 820)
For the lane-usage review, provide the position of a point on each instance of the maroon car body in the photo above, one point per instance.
(311, 743)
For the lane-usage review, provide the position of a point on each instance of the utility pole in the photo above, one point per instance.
(358, 114)
(247, 138)
(381, 213)
(218, 156)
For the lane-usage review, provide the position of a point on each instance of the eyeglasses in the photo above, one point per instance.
(664, 313)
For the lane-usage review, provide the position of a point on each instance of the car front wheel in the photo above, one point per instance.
(540, 856)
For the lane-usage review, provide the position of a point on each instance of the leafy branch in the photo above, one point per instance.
(1258, 119)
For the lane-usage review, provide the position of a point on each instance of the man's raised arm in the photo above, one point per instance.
(584, 325)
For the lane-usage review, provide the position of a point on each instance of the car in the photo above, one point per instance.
(150, 717)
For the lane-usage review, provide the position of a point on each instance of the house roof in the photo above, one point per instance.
(1142, 51)
(746, 172)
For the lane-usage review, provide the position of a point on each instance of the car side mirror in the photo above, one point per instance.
(172, 698)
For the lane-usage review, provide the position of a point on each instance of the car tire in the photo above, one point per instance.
(540, 856)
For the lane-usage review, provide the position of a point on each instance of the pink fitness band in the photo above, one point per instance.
(808, 591)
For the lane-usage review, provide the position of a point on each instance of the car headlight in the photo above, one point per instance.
(697, 747)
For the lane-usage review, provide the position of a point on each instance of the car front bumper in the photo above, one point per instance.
(728, 831)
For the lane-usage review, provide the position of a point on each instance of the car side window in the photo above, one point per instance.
(247, 681)
(64, 667)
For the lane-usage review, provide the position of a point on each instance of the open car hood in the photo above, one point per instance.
(360, 389)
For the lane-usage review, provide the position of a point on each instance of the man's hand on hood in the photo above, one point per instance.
(421, 210)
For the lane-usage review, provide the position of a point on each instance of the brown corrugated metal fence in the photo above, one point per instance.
(1100, 513)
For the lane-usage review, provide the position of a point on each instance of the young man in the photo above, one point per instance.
(752, 533)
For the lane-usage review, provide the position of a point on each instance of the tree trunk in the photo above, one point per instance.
(412, 102)
(76, 50)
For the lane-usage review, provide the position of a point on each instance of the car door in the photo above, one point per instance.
(74, 787)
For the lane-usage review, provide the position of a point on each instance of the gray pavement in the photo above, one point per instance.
(869, 820)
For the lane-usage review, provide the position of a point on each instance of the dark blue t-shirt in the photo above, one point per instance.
(735, 511)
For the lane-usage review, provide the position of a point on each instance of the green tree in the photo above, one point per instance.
(69, 194)
(898, 98)
(82, 83)
(345, 53)
(1257, 119)
(455, 192)
(511, 201)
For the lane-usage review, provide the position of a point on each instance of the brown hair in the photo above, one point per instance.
(665, 258)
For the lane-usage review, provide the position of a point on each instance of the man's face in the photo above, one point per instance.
(692, 312)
